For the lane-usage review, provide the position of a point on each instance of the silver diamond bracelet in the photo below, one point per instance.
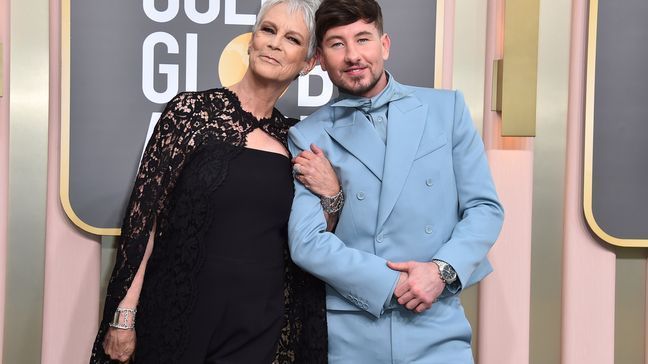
(129, 318)
(333, 204)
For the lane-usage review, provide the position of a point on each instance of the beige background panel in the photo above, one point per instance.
(630, 313)
(548, 181)
(469, 54)
(29, 90)
(4, 159)
(468, 44)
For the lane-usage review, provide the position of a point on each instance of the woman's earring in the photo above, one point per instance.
(302, 73)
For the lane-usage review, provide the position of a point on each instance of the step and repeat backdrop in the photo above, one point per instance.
(123, 60)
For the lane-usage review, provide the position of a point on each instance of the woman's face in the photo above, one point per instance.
(279, 46)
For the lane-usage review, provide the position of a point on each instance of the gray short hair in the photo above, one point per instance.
(306, 7)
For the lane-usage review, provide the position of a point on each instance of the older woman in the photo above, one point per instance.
(203, 261)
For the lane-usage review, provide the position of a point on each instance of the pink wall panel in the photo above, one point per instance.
(588, 266)
(505, 295)
(72, 258)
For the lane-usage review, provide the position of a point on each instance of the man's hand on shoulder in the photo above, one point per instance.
(420, 287)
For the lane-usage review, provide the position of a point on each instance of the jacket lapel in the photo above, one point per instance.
(404, 131)
(358, 137)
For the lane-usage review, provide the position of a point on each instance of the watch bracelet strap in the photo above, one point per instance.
(441, 263)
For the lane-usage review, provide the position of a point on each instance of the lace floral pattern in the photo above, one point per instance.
(212, 122)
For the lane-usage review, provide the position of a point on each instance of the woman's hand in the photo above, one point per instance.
(315, 172)
(119, 344)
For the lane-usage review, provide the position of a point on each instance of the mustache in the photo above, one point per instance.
(355, 66)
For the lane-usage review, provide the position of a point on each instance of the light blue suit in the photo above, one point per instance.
(427, 194)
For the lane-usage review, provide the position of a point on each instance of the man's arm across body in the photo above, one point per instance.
(481, 217)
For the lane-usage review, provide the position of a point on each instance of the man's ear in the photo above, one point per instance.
(386, 44)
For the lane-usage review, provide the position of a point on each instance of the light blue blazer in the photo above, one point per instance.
(427, 194)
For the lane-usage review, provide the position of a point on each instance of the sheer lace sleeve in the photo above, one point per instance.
(163, 159)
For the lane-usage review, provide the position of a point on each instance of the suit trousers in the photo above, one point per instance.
(440, 335)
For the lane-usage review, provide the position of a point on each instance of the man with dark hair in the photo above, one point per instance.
(420, 213)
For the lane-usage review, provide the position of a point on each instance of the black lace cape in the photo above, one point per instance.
(192, 121)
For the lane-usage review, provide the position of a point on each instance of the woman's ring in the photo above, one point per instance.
(296, 169)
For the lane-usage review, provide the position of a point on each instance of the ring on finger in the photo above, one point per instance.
(296, 169)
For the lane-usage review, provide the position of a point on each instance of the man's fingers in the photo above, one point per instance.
(405, 298)
(300, 160)
(412, 304)
(316, 149)
(422, 307)
(399, 266)
(401, 289)
(307, 154)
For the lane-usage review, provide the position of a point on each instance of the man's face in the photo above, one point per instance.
(354, 56)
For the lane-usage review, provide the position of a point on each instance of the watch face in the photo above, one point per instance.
(448, 274)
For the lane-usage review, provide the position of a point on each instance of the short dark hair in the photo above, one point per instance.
(335, 13)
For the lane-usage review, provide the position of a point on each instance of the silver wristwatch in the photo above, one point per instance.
(447, 273)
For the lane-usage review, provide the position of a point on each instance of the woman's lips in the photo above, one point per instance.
(270, 59)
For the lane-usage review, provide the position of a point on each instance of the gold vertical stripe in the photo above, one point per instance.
(496, 87)
(109, 246)
(520, 67)
(28, 124)
(549, 147)
(589, 114)
(630, 302)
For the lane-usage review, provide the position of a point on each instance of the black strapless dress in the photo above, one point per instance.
(238, 313)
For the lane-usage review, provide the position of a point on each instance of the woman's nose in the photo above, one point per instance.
(274, 43)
